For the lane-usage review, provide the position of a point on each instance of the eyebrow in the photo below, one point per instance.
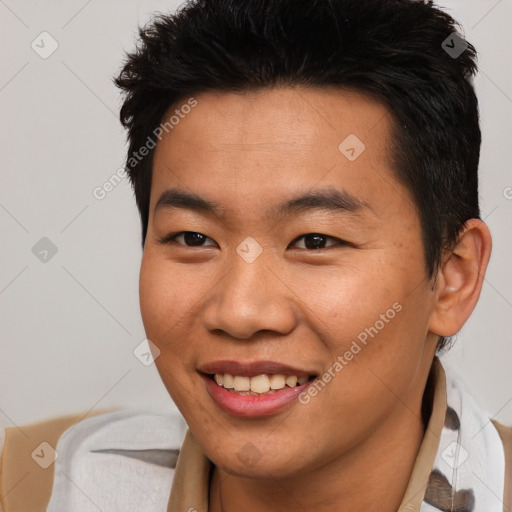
(326, 199)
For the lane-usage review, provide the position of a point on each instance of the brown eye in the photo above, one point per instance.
(316, 241)
(188, 238)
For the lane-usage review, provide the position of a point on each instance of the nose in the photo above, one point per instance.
(250, 298)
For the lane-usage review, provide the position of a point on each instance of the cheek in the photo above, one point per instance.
(164, 305)
(371, 312)
(153, 297)
(381, 344)
(343, 300)
(164, 300)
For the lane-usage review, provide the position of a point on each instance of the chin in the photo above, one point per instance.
(265, 466)
(260, 456)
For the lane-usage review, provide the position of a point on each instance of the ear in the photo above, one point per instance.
(460, 279)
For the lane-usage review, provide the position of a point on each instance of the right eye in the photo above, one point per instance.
(186, 238)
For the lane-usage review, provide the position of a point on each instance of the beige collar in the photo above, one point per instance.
(190, 485)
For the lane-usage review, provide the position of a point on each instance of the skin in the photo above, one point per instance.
(354, 445)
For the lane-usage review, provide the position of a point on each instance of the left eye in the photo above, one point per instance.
(188, 238)
(316, 241)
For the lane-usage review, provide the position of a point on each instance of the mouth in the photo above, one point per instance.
(263, 384)
(254, 389)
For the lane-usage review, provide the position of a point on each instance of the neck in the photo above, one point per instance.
(372, 476)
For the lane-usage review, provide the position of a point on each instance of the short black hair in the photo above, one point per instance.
(408, 54)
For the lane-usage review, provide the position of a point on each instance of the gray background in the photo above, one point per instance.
(70, 324)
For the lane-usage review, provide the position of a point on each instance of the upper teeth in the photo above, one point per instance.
(259, 384)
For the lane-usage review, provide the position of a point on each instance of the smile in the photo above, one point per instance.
(256, 388)
(258, 385)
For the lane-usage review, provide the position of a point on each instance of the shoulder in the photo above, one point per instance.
(27, 450)
(505, 433)
(110, 456)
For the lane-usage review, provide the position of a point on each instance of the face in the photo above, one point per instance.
(280, 248)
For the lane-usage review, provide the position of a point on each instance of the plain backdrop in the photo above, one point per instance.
(69, 262)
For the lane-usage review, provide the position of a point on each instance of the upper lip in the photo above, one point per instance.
(252, 368)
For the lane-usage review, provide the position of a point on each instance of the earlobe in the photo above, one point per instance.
(460, 279)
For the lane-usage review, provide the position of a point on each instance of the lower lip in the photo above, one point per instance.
(252, 405)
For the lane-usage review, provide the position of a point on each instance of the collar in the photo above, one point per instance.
(190, 487)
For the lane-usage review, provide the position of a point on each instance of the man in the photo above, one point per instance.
(306, 176)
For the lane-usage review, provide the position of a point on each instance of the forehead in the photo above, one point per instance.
(287, 115)
(249, 148)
